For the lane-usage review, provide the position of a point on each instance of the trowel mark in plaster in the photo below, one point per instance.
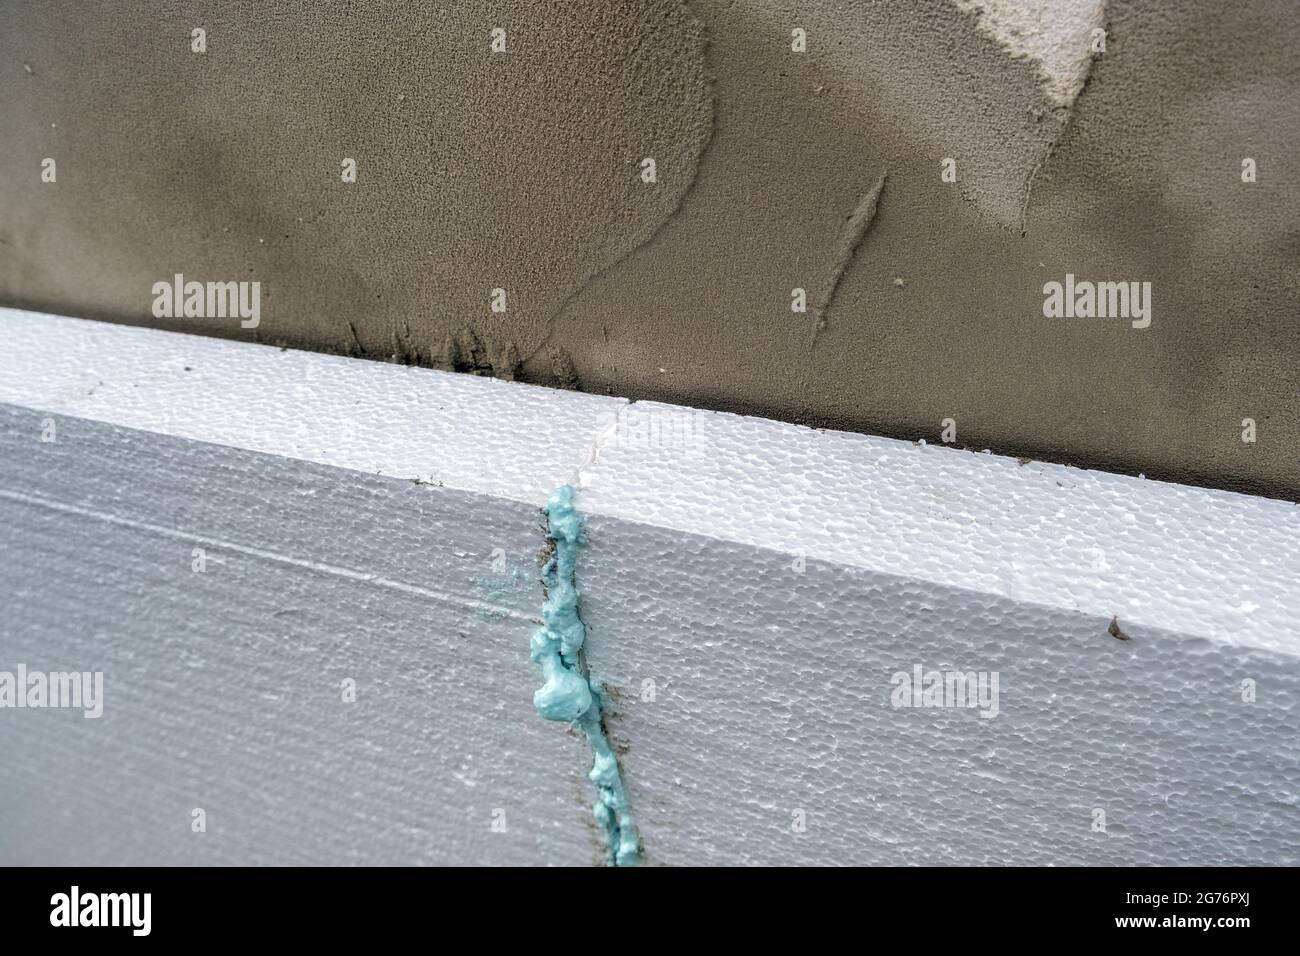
(569, 694)
(851, 236)
(1054, 35)
(704, 134)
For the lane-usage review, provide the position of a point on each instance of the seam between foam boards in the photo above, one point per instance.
(569, 693)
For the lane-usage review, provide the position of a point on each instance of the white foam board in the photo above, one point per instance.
(750, 587)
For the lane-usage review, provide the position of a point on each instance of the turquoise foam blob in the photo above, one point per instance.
(568, 693)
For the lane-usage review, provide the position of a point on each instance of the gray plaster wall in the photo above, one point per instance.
(776, 170)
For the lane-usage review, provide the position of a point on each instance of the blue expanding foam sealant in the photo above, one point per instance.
(568, 693)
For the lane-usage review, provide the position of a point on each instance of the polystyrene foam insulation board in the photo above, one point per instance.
(752, 590)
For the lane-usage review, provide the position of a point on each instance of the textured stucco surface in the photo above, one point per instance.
(520, 171)
(768, 578)
(1055, 35)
